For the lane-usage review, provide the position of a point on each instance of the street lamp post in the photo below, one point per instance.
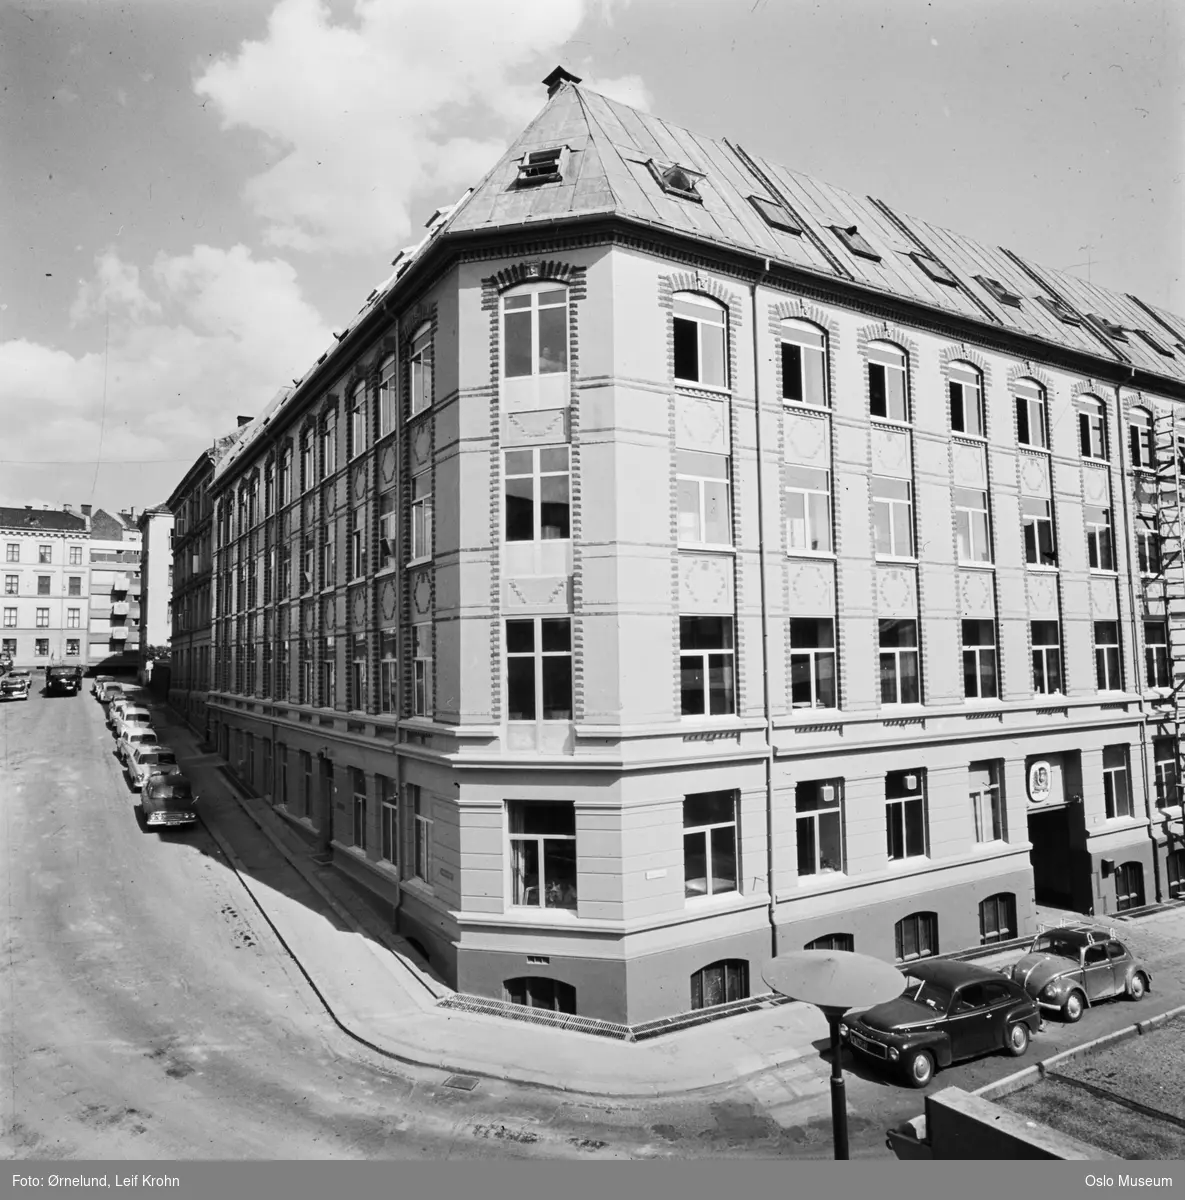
(834, 981)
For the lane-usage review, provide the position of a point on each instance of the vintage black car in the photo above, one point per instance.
(948, 1011)
(167, 799)
(16, 684)
(63, 681)
(1073, 966)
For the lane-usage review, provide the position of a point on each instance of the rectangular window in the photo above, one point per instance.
(358, 673)
(41, 647)
(1031, 427)
(10, 618)
(905, 814)
(306, 763)
(542, 853)
(421, 516)
(886, 383)
(43, 582)
(1108, 672)
(973, 525)
(328, 446)
(387, 520)
(43, 618)
(8, 646)
(900, 673)
(539, 669)
(328, 559)
(1156, 655)
(1037, 520)
(73, 618)
(359, 808)
(537, 499)
(329, 673)
(804, 371)
(704, 510)
(966, 401)
(306, 461)
(1099, 538)
(358, 421)
(892, 516)
(1116, 792)
(357, 555)
(421, 665)
(388, 820)
(387, 396)
(388, 671)
(535, 331)
(1092, 430)
(76, 556)
(11, 585)
(812, 662)
(980, 680)
(1047, 657)
(420, 370)
(987, 801)
(1148, 546)
(421, 864)
(700, 341)
(1164, 751)
(305, 678)
(1142, 441)
(706, 666)
(286, 477)
(45, 554)
(72, 647)
(808, 509)
(709, 843)
(820, 827)
(12, 552)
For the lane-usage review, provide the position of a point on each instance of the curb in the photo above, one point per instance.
(1035, 1073)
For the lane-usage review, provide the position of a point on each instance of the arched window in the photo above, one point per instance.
(419, 365)
(997, 918)
(916, 936)
(357, 428)
(964, 386)
(804, 364)
(1032, 423)
(387, 395)
(888, 393)
(535, 329)
(701, 340)
(1092, 427)
(1140, 441)
(719, 983)
(537, 991)
(833, 941)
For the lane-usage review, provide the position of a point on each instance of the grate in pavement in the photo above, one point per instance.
(463, 1083)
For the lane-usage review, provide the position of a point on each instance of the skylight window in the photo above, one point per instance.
(1157, 346)
(854, 240)
(540, 166)
(775, 214)
(1060, 309)
(1110, 328)
(997, 291)
(677, 180)
(934, 268)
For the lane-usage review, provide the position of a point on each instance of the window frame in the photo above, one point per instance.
(1167, 777)
(421, 517)
(989, 814)
(536, 476)
(1149, 558)
(421, 664)
(420, 363)
(899, 654)
(358, 809)
(887, 522)
(1003, 931)
(535, 327)
(908, 806)
(703, 484)
(388, 393)
(706, 830)
(880, 358)
(422, 823)
(1042, 651)
(700, 321)
(800, 487)
(810, 657)
(531, 846)
(797, 339)
(979, 652)
(1100, 537)
(733, 983)
(819, 808)
(1117, 807)
(973, 523)
(1092, 428)
(357, 420)
(1030, 405)
(924, 932)
(388, 820)
(966, 380)
(1141, 437)
(1158, 671)
(1108, 658)
(688, 667)
(541, 680)
(1039, 552)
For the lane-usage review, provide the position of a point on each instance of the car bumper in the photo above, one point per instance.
(166, 819)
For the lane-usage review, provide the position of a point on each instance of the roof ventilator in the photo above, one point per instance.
(677, 180)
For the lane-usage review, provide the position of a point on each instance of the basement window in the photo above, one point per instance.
(855, 241)
(997, 291)
(775, 214)
(677, 180)
(540, 166)
(1060, 309)
(932, 267)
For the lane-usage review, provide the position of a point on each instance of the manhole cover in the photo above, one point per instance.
(463, 1083)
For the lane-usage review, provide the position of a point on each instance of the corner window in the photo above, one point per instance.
(887, 395)
(1156, 655)
(1108, 673)
(973, 525)
(980, 680)
(1032, 427)
(542, 853)
(965, 390)
(997, 918)
(812, 662)
(537, 494)
(1037, 523)
(700, 340)
(1140, 440)
(905, 814)
(1099, 539)
(1047, 657)
(892, 516)
(916, 936)
(709, 844)
(987, 801)
(804, 364)
(899, 665)
(706, 666)
(535, 330)
(1117, 795)
(720, 983)
(808, 509)
(539, 669)
(420, 369)
(819, 821)
(421, 864)
(704, 510)
(1092, 428)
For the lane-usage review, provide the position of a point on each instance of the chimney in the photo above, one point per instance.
(244, 421)
(28, 508)
(557, 79)
(66, 508)
(86, 509)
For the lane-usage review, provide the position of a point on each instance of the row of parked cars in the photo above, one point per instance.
(950, 1011)
(151, 768)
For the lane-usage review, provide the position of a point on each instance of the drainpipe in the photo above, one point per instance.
(765, 696)
(1135, 627)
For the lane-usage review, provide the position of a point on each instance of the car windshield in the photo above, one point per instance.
(1057, 943)
(924, 991)
(172, 787)
(158, 760)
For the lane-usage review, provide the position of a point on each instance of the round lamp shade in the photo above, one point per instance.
(833, 979)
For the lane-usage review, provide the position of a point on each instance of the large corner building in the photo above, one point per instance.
(678, 560)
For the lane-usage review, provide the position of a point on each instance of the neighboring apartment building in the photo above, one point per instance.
(155, 526)
(679, 560)
(45, 586)
(115, 621)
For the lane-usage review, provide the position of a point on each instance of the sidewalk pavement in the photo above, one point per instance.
(379, 991)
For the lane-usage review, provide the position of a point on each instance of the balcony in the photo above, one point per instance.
(119, 608)
(119, 634)
(119, 583)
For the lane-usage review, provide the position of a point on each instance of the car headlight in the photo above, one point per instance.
(894, 1053)
(843, 1029)
(1049, 991)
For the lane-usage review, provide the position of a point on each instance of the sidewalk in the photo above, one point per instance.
(378, 991)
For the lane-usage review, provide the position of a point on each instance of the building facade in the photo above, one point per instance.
(155, 526)
(113, 630)
(679, 561)
(45, 586)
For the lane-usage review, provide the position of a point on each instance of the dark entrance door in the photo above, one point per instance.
(1129, 886)
(326, 823)
(1052, 857)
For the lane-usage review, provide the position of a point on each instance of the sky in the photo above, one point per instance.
(195, 193)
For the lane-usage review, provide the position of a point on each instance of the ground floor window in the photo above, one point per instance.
(41, 647)
(536, 991)
(820, 826)
(1175, 870)
(833, 941)
(359, 792)
(389, 811)
(1129, 886)
(709, 843)
(916, 936)
(997, 918)
(543, 853)
(720, 982)
(72, 646)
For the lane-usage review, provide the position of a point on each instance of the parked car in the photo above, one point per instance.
(947, 1011)
(63, 680)
(120, 705)
(145, 759)
(1068, 968)
(168, 799)
(98, 680)
(5, 662)
(130, 714)
(108, 691)
(133, 736)
(17, 684)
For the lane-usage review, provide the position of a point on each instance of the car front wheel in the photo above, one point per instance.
(919, 1070)
(1072, 1009)
(1018, 1039)
(1138, 987)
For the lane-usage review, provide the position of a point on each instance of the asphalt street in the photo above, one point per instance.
(149, 1010)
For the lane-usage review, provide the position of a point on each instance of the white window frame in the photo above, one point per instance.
(421, 517)
(358, 420)
(703, 313)
(810, 657)
(74, 618)
(357, 554)
(358, 659)
(12, 552)
(12, 585)
(980, 651)
(10, 618)
(896, 816)
(389, 671)
(537, 655)
(419, 368)
(1092, 428)
(545, 892)
(828, 807)
(965, 387)
(694, 486)
(1118, 806)
(1033, 521)
(388, 820)
(421, 857)
(388, 395)
(358, 808)
(898, 655)
(988, 812)
(1043, 650)
(1148, 546)
(889, 363)
(44, 554)
(702, 659)
(41, 648)
(973, 525)
(327, 445)
(422, 636)
(1141, 440)
(512, 465)
(512, 306)
(75, 556)
(1031, 411)
(806, 339)
(388, 527)
(1166, 767)
(1100, 536)
(808, 510)
(1158, 670)
(705, 831)
(886, 510)
(1108, 659)
(42, 618)
(73, 647)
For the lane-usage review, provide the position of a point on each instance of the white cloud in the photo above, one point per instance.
(403, 99)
